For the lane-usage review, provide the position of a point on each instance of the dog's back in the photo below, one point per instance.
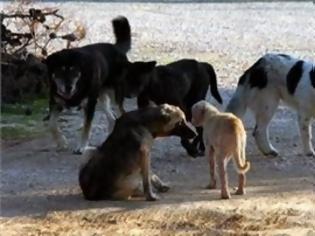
(103, 175)
(282, 77)
(201, 75)
(112, 168)
(108, 166)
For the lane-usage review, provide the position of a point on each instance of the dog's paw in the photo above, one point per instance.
(310, 154)
(152, 197)
(201, 153)
(272, 153)
(225, 196)
(193, 153)
(163, 188)
(77, 151)
(211, 186)
(80, 148)
(240, 192)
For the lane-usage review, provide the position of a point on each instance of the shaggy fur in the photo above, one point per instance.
(115, 168)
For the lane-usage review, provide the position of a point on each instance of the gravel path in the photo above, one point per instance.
(39, 187)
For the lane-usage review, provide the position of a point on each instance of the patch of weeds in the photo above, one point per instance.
(19, 121)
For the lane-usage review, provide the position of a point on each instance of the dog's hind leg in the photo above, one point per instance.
(305, 127)
(264, 109)
(222, 162)
(89, 111)
(61, 141)
(211, 159)
(145, 172)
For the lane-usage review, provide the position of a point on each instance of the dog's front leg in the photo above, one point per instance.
(261, 134)
(306, 134)
(89, 111)
(264, 108)
(145, 172)
(59, 139)
(105, 99)
(222, 161)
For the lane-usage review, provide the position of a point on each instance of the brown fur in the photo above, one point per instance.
(224, 137)
(115, 169)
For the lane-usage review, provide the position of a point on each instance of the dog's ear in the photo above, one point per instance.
(144, 67)
(166, 116)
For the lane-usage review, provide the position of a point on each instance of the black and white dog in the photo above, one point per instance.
(82, 76)
(272, 78)
(181, 83)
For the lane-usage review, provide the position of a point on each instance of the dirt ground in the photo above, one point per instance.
(39, 187)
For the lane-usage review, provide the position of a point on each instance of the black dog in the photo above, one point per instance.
(113, 170)
(181, 83)
(82, 76)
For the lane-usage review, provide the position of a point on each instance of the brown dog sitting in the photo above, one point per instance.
(113, 170)
(224, 136)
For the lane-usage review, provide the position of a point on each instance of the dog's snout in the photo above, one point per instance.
(184, 130)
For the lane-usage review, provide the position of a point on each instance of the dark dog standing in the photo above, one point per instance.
(82, 76)
(181, 83)
(113, 170)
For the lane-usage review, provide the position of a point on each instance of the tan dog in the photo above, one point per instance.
(224, 136)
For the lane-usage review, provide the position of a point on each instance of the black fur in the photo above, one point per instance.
(181, 83)
(312, 76)
(99, 67)
(118, 157)
(257, 76)
(294, 76)
(242, 79)
(122, 34)
(285, 56)
(102, 66)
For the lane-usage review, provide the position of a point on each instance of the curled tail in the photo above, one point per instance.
(213, 82)
(122, 33)
(241, 165)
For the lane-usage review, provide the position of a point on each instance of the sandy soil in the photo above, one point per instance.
(39, 187)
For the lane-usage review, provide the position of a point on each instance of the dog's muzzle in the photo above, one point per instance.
(184, 130)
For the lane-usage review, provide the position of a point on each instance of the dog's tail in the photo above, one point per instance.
(240, 163)
(213, 82)
(122, 33)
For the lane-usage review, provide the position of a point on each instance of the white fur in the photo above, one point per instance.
(264, 102)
